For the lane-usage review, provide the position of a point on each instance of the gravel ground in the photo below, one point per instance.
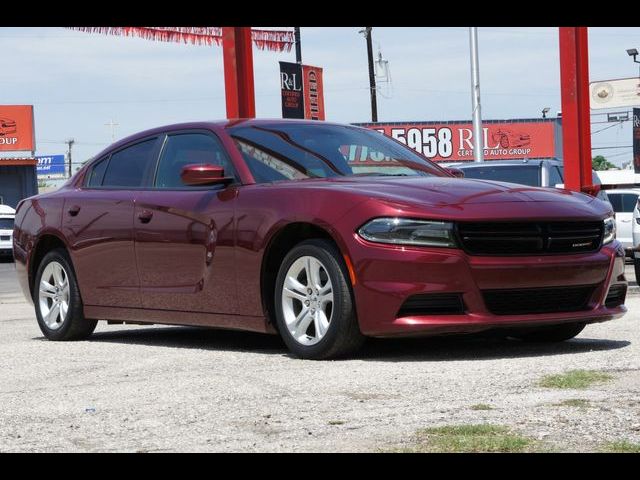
(133, 388)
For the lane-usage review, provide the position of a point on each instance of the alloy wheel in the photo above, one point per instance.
(54, 295)
(307, 300)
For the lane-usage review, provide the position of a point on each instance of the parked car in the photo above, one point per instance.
(265, 225)
(635, 235)
(535, 173)
(624, 201)
(7, 215)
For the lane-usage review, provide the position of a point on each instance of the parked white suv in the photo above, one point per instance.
(7, 216)
(624, 201)
(635, 234)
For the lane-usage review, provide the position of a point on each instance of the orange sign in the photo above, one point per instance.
(453, 141)
(313, 91)
(16, 128)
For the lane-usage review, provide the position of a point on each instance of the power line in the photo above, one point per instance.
(607, 148)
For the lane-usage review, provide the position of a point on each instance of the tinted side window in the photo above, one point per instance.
(97, 173)
(128, 166)
(616, 201)
(523, 174)
(190, 148)
(629, 202)
(554, 176)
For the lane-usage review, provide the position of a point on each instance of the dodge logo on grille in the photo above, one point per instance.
(581, 244)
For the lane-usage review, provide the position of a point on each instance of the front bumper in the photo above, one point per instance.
(387, 275)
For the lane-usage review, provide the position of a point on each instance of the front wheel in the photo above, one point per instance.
(554, 333)
(636, 267)
(57, 300)
(315, 311)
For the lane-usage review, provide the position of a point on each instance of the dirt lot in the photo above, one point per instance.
(185, 389)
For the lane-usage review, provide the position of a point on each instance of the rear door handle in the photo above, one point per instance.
(73, 211)
(145, 216)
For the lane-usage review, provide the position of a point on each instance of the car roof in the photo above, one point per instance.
(623, 190)
(511, 162)
(214, 124)
(6, 210)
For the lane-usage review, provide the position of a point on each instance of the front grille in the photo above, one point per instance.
(529, 238)
(523, 301)
(616, 296)
(432, 304)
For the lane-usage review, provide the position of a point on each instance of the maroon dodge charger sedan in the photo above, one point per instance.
(323, 233)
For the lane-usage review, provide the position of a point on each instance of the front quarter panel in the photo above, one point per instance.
(263, 210)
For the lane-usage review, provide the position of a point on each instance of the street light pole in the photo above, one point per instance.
(372, 77)
(478, 148)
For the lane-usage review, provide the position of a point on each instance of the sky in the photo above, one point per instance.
(79, 82)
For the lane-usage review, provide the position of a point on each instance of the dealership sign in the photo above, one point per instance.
(301, 88)
(52, 165)
(623, 92)
(453, 141)
(16, 128)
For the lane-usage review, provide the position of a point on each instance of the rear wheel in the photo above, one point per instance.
(554, 333)
(315, 311)
(57, 299)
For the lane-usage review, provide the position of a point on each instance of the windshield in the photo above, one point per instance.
(298, 151)
(6, 223)
(522, 174)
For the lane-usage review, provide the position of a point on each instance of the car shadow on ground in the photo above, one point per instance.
(477, 347)
(444, 348)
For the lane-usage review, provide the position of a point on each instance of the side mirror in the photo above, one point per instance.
(204, 174)
(456, 172)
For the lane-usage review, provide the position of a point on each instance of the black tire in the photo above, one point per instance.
(636, 268)
(74, 326)
(554, 333)
(343, 336)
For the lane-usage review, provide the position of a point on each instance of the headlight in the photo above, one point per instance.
(405, 231)
(609, 230)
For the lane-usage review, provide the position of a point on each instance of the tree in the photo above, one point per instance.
(601, 163)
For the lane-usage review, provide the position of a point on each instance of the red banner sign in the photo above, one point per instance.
(16, 128)
(313, 93)
(453, 142)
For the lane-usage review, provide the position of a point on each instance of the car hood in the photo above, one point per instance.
(441, 191)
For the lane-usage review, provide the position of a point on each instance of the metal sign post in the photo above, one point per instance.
(478, 147)
(576, 121)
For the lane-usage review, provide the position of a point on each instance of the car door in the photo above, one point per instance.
(184, 235)
(98, 223)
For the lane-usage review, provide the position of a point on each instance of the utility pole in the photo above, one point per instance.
(70, 143)
(113, 129)
(478, 147)
(372, 77)
(296, 34)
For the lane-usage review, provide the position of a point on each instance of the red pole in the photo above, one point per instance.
(576, 124)
(238, 72)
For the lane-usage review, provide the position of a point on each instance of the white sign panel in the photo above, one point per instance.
(624, 92)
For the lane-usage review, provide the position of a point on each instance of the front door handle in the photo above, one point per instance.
(145, 216)
(73, 211)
